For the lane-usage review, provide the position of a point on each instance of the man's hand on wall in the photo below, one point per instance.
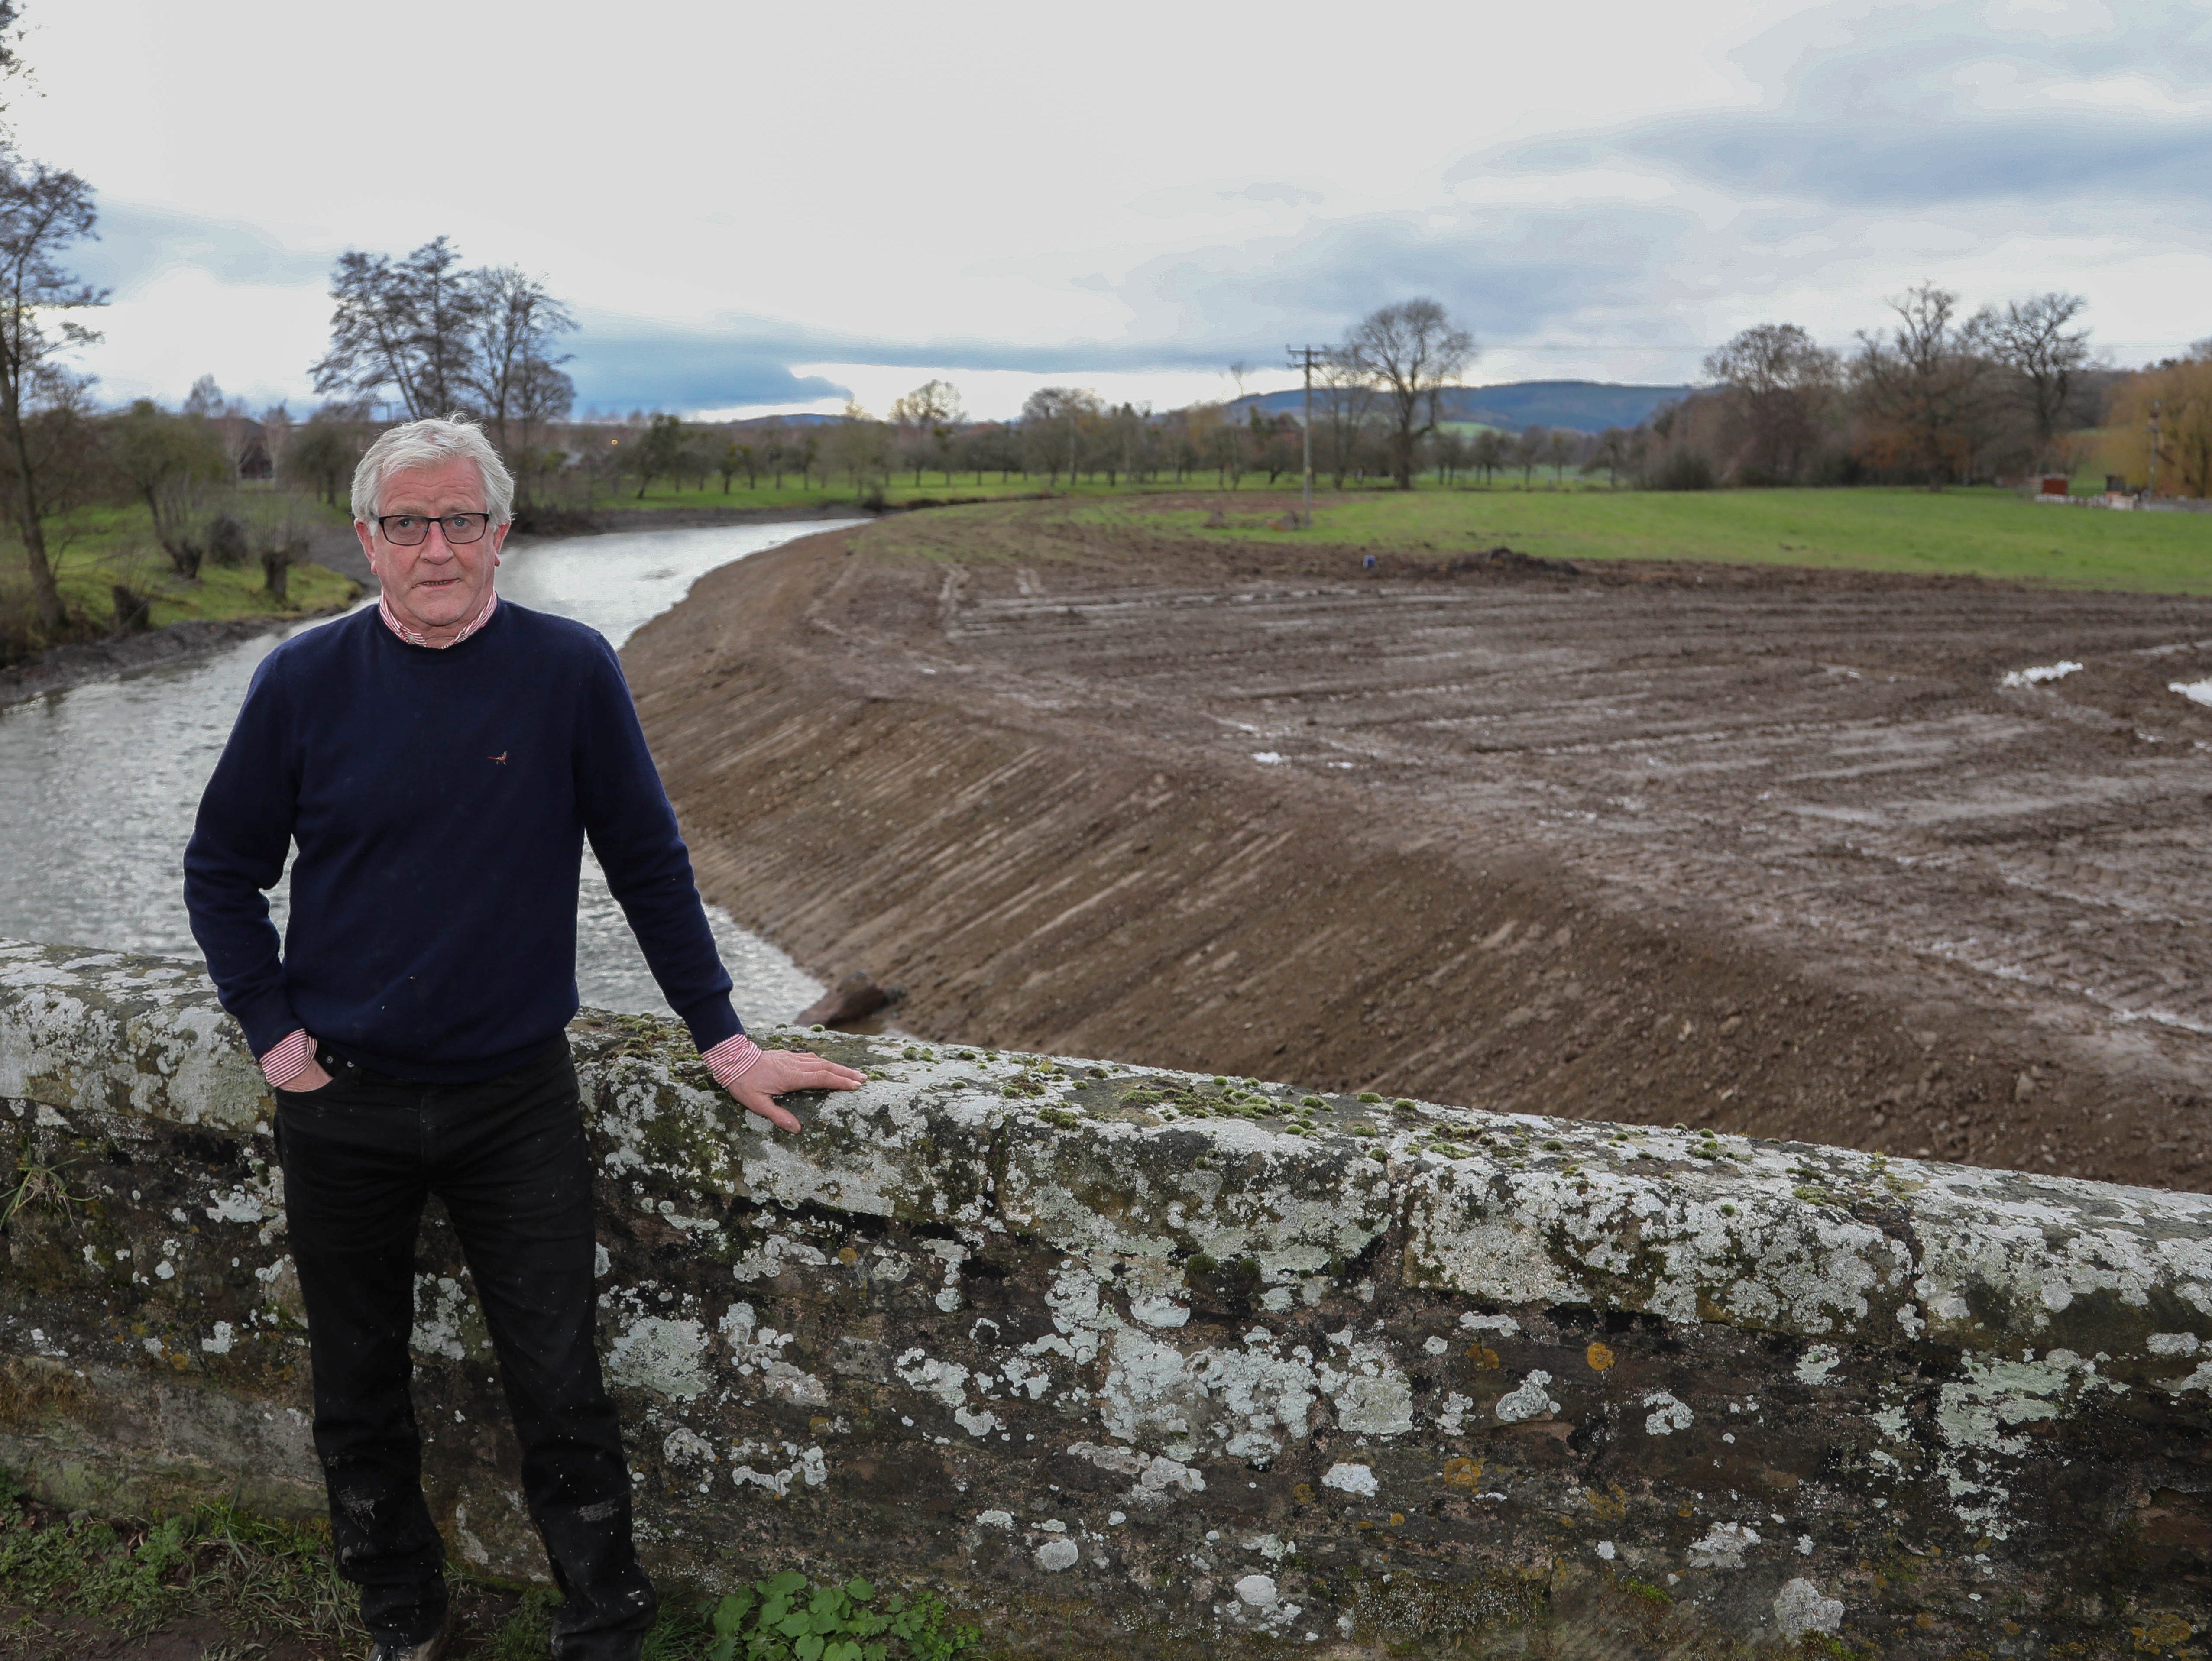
(779, 1071)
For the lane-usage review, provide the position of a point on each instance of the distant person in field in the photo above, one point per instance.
(439, 761)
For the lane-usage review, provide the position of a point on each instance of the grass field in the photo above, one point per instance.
(839, 493)
(903, 490)
(95, 548)
(75, 1584)
(1980, 532)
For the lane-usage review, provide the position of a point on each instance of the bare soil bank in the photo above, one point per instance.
(1769, 850)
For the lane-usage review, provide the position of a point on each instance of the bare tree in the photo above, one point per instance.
(659, 452)
(276, 435)
(1560, 448)
(42, 211)
(1779, 386)
(928, 414)
(1225, 442)
(1412, 352)
(228, 425)
(2031, 339)
(206, 401)
(861, 445)
(151, 449)
(1344, 394)
(1128, 429)
(512, 367)
(1615, 449)
(1491, 452)
(325, 451)
(545, 395)
(774, 441)
(1052, 418)
(1529, 450)
(1929, 380)
(405, 324)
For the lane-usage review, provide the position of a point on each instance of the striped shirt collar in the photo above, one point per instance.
(392, 622)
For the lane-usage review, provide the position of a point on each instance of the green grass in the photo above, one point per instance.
(902, 489)
(1978, 532)
(839, 492)
(94, 548)
(131, 1577)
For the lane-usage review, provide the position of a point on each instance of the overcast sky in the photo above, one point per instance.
(754, 207)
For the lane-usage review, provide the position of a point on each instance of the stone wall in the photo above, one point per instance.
(1126, 1362)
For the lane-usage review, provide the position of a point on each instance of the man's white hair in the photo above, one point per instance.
(432, 442)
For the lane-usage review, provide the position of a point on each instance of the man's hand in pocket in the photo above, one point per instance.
(308, 1078)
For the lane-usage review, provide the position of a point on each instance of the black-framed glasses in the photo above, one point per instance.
(405, 530)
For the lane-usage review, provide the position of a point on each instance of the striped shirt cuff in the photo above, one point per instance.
(728, 1060)
(288, 1058)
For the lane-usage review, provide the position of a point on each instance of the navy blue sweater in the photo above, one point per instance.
(440, 799)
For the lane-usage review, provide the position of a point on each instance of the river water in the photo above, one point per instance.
(98, 784)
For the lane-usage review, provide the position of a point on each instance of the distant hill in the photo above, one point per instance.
(1583, 406)
(804, 418)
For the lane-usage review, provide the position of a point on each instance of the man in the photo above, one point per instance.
(439, 761)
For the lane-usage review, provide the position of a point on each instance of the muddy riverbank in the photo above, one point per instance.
(336, 549)
(86, 662)
(1772, 851)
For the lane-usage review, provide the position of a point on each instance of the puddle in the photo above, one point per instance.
(1266, 756)
(2041, 672)
(2196, 691)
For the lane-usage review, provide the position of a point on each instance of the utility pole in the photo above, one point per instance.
(1303, 357)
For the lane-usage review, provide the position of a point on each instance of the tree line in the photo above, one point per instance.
(1377, 401)
(1938, 396)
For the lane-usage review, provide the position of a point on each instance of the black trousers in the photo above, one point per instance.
(507, 1157)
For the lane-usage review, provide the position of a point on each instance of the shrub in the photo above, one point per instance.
(785, 1618)
(1684, 470)
(226, 539)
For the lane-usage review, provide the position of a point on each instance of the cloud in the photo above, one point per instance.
(1966, 157)
(1836, 154)
(2046, 108)
(741, 361)
(620, 368)
(1506, 273)
(1291, 196)
(138, 243)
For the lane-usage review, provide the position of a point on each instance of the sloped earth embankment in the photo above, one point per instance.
(1777, 852)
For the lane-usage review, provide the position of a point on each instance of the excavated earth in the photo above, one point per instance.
(1769, 850)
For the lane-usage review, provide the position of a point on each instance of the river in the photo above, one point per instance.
(98, 784)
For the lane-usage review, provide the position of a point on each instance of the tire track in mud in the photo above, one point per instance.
(1768, 850)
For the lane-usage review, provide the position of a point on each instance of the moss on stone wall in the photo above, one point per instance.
(1132, 1362)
